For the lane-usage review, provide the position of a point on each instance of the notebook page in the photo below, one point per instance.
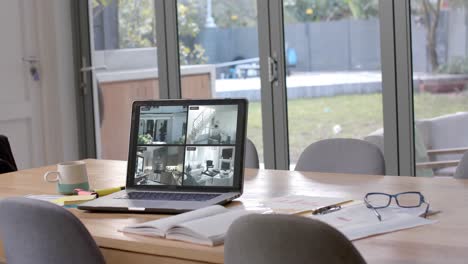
(206, 231)
(358, 221)
(159, 227)
(293, 204)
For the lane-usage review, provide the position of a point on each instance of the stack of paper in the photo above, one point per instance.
(295, 204)
(63, 200)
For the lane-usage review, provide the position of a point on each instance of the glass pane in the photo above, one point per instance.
(334, 80)
(440, 74)
(125, 57)
(218, 45)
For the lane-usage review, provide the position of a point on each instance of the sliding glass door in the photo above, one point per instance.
(311, 69)
(440, 76)
(333, 72)
(219, 55)
(124, 67)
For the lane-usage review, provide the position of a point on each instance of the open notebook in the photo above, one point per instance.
(206, 226)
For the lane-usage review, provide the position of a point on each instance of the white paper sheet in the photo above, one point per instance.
(358, 221)
(294, 204)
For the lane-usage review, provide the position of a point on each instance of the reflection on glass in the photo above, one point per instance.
(218, 46)
(334, 81)
(440, 74)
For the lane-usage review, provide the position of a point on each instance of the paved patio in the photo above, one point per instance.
(320, 84)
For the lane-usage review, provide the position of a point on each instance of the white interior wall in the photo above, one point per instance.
(57, 84)
(228, 122)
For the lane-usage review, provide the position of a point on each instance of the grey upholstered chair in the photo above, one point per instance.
(462, 169)
(275, 239)
(251, 155)
(40, 232)
(342, 155)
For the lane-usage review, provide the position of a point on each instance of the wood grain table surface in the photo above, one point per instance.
(443, 242)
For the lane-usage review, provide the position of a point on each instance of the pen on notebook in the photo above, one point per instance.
(312, 211)
(326, 209)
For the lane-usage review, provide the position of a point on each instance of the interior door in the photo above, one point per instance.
(20, 113)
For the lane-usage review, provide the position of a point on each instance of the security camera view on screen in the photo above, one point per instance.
(212, 124)
(162, 125)
(209, 166)
(159, 165)
(186, 145)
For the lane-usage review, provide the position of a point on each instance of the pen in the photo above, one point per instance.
(326, 209)
(313, 210)
(107, 191)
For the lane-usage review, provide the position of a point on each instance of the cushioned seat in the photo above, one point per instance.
(278, 239)
(251, 155)
(342, 155)
(443, 132)
(462, 169)
(41, 232)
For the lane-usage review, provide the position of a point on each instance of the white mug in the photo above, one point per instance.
(69, 176)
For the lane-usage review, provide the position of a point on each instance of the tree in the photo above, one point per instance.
(189, 21)
(137, 24)
(297, 11)
(363, 9)
(240, 13)
(329, 10)
(99, 6)
(429, 11)
(430, 16)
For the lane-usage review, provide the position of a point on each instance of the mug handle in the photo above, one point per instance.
(56, 179)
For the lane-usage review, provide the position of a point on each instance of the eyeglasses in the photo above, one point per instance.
(376, 200)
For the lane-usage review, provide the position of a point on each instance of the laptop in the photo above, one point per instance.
(183, 155)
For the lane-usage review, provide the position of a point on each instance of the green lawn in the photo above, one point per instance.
(354, 115)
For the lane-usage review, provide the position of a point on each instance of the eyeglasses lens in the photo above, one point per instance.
(378, 200)
(409, 199)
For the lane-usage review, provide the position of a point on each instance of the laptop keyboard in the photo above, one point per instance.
(198, 197)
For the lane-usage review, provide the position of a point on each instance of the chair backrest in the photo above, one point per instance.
(276, 239)
(342, 155)
(462, 169)
(40, 232)
(442, 132)
(251, 155)
(7, 161)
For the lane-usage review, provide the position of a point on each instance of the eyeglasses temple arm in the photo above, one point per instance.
(373, 209)
(377, 214)
(427, 210)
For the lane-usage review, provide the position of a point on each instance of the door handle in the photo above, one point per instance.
(272, 70)
(93, 68)
(30, 59)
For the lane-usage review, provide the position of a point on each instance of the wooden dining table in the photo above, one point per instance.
(446, 241)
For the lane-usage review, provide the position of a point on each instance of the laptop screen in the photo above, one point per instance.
(191, 144)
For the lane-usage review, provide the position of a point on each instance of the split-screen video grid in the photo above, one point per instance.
(186, 145)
